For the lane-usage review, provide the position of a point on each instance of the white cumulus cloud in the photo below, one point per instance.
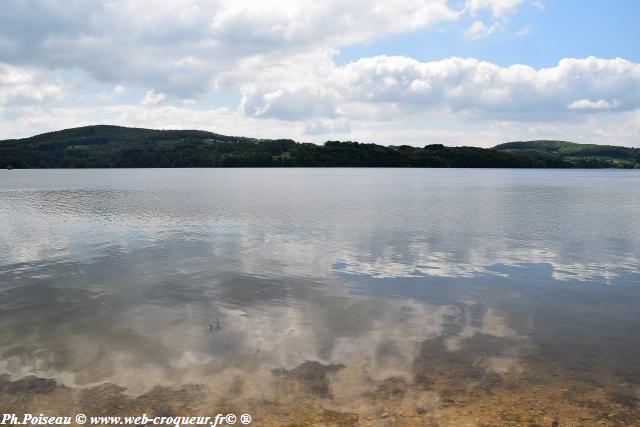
(180, 47)
(269, 69)
(153, 98)
(497, 7)
(403, 84)
(19, 85)
(587, 104)
(479, 30)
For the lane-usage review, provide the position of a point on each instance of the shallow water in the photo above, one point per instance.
(323, 296)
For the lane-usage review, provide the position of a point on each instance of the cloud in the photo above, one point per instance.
(272, 65)
(586, 104)
(324, 127)
(440, 128)
(19, 85)
(400, 85)
(153, 98)
(478, 30)
(497, 7)
(456, 100)
(289, 103)
(523, 31)
(180, 47)
(110, 95)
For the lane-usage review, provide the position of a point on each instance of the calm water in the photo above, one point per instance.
(327, 296)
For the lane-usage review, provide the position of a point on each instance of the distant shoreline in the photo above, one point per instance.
(575, 169)
(114, 147)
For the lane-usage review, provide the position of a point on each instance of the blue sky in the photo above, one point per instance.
(559, 30)
(459, 72)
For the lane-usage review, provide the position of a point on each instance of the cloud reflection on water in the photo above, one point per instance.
(103, 285)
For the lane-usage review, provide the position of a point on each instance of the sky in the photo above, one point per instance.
(416, 72)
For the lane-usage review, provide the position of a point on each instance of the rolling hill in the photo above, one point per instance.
(104, 146)
(607, 155)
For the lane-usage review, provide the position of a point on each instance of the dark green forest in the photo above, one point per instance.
(120, 147)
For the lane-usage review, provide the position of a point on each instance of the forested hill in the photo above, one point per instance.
(118, 147)
(607, 155)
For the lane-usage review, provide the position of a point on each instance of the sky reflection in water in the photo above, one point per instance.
(114, 276)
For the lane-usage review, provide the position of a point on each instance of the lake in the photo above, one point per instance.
(326, 296)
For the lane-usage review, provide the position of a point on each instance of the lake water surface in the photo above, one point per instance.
(323, 296)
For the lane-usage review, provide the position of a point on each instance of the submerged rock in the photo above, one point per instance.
(28, 385)
(312, 375)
